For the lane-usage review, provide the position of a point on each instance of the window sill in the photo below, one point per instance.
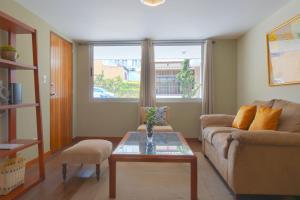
(178, 100)
(160, 100)
(108, 100)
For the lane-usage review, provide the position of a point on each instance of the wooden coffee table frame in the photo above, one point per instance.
(114, 158)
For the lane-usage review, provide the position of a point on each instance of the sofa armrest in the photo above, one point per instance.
(216, 120)
(268, 160)
(277, 138)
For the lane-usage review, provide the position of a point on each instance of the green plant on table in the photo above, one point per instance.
(151, 118)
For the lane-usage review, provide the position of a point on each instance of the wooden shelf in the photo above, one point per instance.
(15, 65)
(25, 144)
(13, 106)
(10, 24)
(14, 27)
(30, 181)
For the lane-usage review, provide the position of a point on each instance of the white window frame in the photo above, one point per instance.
(139, 43)
(183, 43)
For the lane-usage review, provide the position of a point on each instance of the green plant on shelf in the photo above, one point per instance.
(9, 53)
(8, 48)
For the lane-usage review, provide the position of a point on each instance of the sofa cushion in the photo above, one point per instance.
(161, 116)
(244, 117)
(209, 132)
(168, 128)
(221, 142)
(290, 116)
(266, 119)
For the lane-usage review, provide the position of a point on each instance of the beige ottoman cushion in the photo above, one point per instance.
(88, 152)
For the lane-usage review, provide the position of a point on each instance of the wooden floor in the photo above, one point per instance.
(52, 187)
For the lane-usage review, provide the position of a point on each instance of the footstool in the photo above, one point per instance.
(86, 152)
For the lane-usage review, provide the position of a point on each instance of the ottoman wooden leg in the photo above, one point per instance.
(64, 171)
(98, 171)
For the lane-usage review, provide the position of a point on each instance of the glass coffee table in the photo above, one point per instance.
(168, 147)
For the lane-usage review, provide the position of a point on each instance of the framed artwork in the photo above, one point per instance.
(283, 44)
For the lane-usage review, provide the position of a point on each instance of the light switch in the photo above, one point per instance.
(45, 79)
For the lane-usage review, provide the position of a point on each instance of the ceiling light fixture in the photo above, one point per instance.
(153, 3)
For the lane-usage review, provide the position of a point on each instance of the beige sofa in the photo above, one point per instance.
(261, 163)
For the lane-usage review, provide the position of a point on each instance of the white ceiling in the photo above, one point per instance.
(91, 20)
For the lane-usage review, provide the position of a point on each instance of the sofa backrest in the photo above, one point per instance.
(263, 103)
(290, 116)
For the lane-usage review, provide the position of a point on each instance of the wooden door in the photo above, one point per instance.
(61, 93)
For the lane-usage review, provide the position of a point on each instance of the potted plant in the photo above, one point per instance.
(151, 119)
(9, 53)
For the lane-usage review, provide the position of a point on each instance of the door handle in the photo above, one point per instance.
(52, 91)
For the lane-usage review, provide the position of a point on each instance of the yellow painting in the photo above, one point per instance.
(284, 53)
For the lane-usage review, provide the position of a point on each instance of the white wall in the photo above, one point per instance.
(113, 119)
(224, 75)
(252, 67)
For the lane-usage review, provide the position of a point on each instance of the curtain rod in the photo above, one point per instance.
(168, 42)
(112, 42)
(138, 42)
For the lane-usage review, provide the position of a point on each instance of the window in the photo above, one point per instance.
(178, 71)
(116, 72)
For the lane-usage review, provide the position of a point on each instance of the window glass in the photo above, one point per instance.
(178, 71)
(116, 72)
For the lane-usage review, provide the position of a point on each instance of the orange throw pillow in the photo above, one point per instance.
(244, 117)
(266, 119)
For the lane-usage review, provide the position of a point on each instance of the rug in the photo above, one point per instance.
(135, 181)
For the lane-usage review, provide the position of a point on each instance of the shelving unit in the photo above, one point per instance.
(14, 27)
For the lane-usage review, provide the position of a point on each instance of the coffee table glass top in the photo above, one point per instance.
(135, 143)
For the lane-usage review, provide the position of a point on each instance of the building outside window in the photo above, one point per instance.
(116, 72)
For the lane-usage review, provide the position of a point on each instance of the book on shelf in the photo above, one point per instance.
(9, 146)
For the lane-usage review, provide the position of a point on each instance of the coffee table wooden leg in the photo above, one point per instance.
(112, 178)
(194, 179)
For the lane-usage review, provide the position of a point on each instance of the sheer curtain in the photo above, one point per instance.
(207, 99)
(147, 88)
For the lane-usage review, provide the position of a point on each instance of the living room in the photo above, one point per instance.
(150, 99)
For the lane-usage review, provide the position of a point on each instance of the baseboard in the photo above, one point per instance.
(36, 160)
